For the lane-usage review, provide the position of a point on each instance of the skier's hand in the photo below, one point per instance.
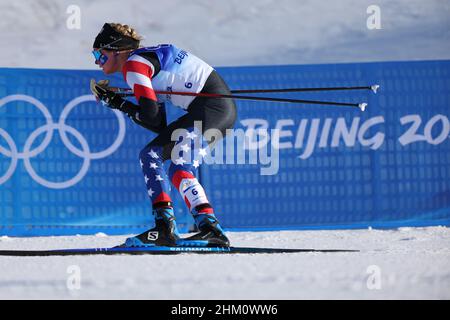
(104, 84)
(102, 93)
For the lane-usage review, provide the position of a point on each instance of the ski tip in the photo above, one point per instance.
(375, 88)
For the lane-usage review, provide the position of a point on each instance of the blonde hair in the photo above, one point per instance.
(126, 30)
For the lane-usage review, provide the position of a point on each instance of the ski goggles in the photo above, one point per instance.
(99, 56)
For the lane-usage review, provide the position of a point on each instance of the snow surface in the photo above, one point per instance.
(412, 263)
(232, 32)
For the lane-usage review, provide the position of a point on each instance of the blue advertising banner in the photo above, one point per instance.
(339, 167)
(70, 166)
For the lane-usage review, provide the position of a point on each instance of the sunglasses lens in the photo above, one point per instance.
(101, 58)
(97, 54)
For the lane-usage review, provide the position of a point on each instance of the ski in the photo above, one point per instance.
(158, 251)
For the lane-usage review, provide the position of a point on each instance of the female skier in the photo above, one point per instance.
(167, 68)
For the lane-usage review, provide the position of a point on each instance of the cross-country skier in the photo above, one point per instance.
(166, 68)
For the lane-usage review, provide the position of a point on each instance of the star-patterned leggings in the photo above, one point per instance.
(203, 114)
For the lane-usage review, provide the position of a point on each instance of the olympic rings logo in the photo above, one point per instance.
(48, 129)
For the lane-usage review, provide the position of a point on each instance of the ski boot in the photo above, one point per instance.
(211, 233)
(164, 233)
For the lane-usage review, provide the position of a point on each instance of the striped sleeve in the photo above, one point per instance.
(137, 72)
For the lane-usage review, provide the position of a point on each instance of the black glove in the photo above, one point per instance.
(102, 93)
(112, 100)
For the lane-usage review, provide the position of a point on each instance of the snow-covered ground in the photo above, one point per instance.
(407, 263)
(233, 32)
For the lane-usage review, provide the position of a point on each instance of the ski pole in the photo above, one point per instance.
(361, 106)
(374, 88)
